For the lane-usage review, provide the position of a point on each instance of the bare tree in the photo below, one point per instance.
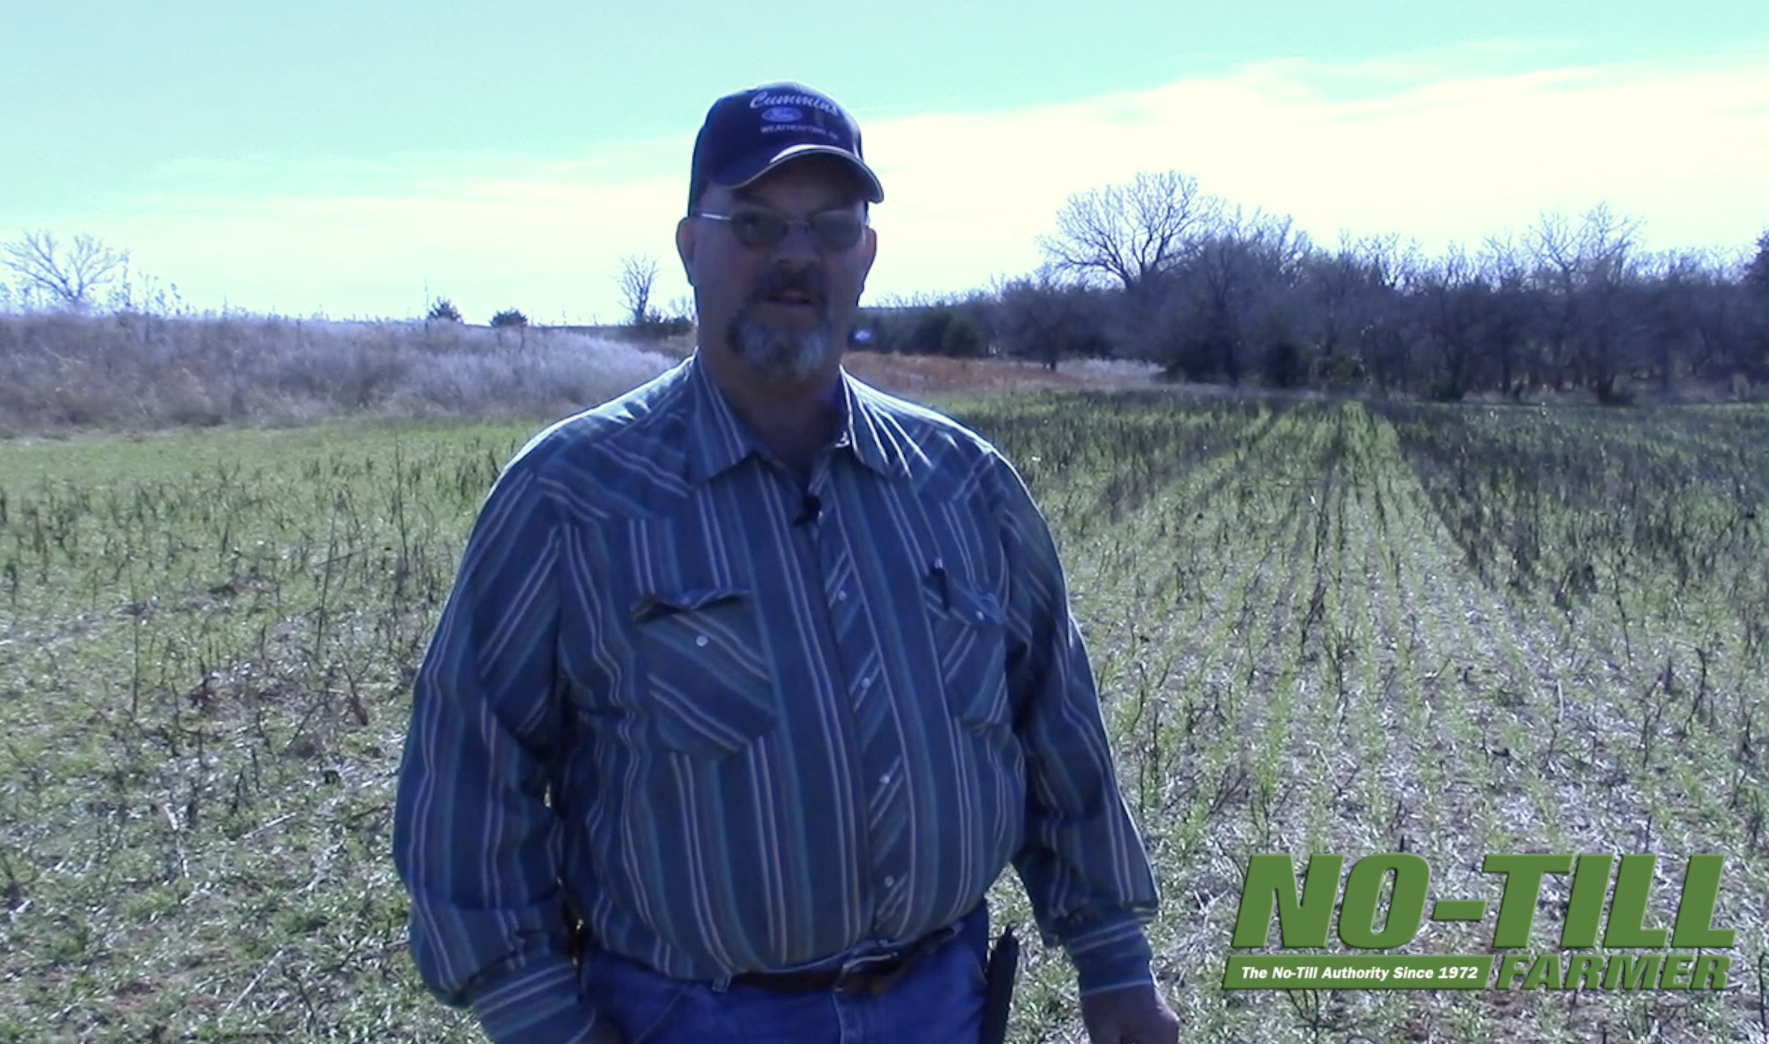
(1048, 319)
(1756, 272)
(71, 277)
(1596, 266)
(1457, 303)
(1507, 328)
(1384, 336)
(1552, 246)
(1131, 232)
(1587, 274)
(1333, 284)
(1350, 300)
(637, 276)
(1225, 304)
(1698, 318)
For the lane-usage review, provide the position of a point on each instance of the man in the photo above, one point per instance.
(753, 681)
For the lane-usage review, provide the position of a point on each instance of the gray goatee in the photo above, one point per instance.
(781, 354)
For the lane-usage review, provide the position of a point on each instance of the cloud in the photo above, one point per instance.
(1686, 147)
(1424, 146)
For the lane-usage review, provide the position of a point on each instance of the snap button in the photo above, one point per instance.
(701, 639)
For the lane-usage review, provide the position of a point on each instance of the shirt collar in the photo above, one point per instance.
(718, 440)
(865, 430)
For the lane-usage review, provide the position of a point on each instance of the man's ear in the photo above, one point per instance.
(686, 231)
(870, 248)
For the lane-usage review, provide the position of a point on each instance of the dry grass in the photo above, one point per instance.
(917, 376)
(134, 372)
(62, 373)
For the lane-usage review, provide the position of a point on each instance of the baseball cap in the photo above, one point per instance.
(751, 132)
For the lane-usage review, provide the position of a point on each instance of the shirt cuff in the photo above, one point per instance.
(539, 1004)
(1111, 954)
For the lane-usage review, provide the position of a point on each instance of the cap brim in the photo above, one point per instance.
(752, 168)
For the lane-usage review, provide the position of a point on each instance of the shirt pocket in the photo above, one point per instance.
(969, 628)
(708, 686)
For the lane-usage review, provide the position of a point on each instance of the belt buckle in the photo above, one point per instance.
(869, 975)
(889, 967)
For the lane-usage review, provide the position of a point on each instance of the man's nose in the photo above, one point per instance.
(798, 244)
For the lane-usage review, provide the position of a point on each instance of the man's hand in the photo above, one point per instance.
(1133, 1015)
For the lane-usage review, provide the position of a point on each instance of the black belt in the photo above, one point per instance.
(870, 975)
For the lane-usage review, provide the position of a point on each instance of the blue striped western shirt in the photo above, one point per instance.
(736, 722)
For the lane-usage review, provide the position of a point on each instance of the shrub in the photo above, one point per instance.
(656, 325)
(509, 317)
(1285, 364)
(444, 310)
(945, 330)
(962, 337)
(1342, 369)
(1446, 389)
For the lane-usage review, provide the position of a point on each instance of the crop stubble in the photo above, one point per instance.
(1318, 627)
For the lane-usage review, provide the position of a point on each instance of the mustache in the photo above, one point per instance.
(811, 282)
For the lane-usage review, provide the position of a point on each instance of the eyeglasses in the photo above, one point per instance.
(833, 231)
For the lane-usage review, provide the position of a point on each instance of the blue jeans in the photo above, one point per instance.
(939, 1001)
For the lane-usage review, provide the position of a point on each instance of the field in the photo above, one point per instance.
(1326, 627)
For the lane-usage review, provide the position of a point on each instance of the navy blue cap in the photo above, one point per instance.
(751, 132)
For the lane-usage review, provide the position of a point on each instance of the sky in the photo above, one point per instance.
(359, 159)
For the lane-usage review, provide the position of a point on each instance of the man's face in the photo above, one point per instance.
(784, 310)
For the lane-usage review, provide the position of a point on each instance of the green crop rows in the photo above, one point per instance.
(1317, 627)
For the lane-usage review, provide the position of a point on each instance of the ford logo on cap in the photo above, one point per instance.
(782, 114)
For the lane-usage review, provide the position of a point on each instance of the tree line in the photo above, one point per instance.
(1156, 270)
(87, 275)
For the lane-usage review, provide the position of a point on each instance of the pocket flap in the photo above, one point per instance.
(973, 605)
(653, 606)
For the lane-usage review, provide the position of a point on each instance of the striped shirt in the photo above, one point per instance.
(735, 722)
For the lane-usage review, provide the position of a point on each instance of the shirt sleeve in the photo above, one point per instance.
(1083, 865)
(474, 838)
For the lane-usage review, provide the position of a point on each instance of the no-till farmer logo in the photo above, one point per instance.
(1632, 956)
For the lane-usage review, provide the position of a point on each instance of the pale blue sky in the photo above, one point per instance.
(340, 156)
